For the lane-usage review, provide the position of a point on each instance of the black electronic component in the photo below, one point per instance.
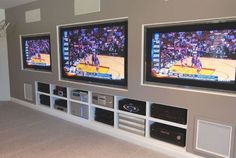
(44, 100)
(104, 116)
(133, 106)
(43, 87)
(168, 134)
(169, 113)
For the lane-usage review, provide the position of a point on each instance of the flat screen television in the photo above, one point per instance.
(197, 54)
(95, 53)
(36, 52)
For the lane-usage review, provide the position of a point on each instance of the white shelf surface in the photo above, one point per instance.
(167, 122)
(38, 92)
(79, 102)
(44, 105)
(59, 97)
(60, 111)
(102, 107)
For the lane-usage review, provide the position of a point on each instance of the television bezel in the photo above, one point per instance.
(187, 26)
(90, 80)
(25, 66)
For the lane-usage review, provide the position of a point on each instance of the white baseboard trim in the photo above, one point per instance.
(161, 147)
(5, 99)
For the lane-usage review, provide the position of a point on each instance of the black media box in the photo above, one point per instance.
(170, 134)
(169, 113)
(43, 87)
(104, 116)
(133, 106)
(44, 100)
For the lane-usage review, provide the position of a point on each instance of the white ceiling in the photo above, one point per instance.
(4, 4)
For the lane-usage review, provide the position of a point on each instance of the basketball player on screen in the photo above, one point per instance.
(86, 58)
(194, 59)
(95, 61)
(196, 62)
(198, 65)
(184, 60)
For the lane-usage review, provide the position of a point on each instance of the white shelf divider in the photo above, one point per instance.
(37, 102)
(116, 116)
(68, 90)
(51, 98)
(79, 102)
(147, 125)
(91, 109)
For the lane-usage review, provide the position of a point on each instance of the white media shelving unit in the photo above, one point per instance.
(86, 116)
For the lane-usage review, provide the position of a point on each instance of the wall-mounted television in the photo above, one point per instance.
(36, 52)
(95, 52)
(193, 54)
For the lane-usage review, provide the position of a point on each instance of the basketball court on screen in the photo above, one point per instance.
(223, 68)
(108, 65)
(44, 58)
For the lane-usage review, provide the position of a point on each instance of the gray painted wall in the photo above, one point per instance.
(2, 14)
(4, 70)
(218, 106)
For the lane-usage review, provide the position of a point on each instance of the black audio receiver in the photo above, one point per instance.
(169, 113)
(168, 133)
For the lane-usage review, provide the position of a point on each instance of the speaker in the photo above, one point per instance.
(214, 138)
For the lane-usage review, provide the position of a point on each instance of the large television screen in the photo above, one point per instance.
(202, 55)
(95, 52)
(36, 51)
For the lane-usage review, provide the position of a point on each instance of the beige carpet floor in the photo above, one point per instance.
(26, 133)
